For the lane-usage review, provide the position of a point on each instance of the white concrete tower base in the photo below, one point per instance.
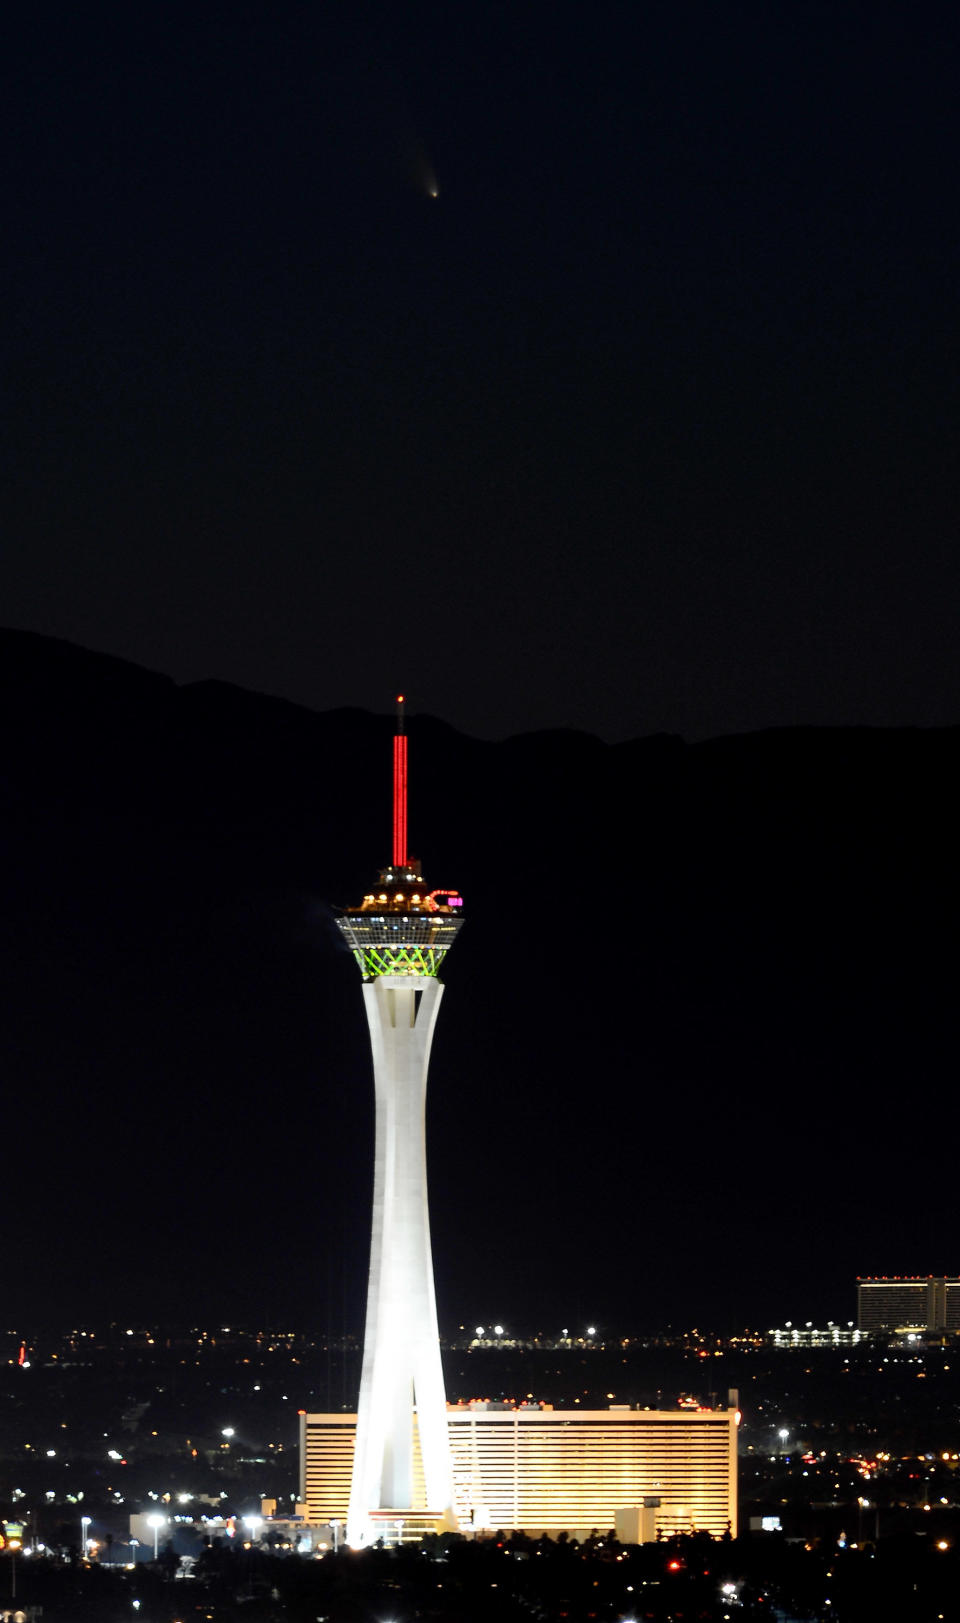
(401, 1352)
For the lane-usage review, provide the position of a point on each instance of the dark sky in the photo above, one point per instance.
(647, 421)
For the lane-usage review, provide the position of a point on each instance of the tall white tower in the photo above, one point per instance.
(399, 936)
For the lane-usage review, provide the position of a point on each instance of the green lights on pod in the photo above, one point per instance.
(376, 961)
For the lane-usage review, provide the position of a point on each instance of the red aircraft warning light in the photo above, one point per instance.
(400, 790)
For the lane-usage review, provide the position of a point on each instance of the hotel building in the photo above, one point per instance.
(908, 1302)
(542, 1470)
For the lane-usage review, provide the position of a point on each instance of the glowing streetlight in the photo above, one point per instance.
(253, 1525)
(156, 1522)
(84, 1531)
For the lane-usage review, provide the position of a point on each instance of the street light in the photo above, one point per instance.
(783, 1434)
(84, 1524)
(134, 1547)
(253, 1525)
(156, 1522)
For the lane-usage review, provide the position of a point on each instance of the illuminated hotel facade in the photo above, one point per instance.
(542, 1470)
(908, 1302)
(399, 936)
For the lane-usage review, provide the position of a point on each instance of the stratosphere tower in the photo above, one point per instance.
(399, 936)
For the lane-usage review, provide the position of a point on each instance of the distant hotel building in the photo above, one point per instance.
(907, 1302)
(552, 1470)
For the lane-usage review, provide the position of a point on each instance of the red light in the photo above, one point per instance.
(400, 800)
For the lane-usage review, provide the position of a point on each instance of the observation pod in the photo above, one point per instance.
(399, 936)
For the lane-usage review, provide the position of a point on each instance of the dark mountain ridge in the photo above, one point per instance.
(696, 1046)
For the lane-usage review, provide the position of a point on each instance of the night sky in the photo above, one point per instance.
(647, 421)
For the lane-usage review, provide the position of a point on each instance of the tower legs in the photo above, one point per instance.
(401, 1352)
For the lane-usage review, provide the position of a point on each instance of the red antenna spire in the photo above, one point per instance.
(399, 790)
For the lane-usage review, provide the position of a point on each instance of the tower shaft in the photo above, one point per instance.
(401, 1357)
